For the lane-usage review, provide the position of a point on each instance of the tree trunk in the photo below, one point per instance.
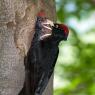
(17, 20)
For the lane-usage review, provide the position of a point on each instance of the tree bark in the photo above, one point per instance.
(17, 20)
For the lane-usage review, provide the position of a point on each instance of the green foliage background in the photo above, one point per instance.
(76, 63)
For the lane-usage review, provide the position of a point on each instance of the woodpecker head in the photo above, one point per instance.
(58, 31)
(50, 29)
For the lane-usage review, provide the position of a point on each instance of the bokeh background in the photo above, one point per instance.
(75, 68)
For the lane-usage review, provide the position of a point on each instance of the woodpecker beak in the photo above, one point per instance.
(46, 29)
(48, 24)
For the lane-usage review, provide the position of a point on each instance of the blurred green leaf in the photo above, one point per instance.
(78, 66)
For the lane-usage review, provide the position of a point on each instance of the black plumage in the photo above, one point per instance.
(40, 60)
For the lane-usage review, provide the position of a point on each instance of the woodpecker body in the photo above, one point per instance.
(41, 58)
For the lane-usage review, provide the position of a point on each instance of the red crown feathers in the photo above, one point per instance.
(41, 13)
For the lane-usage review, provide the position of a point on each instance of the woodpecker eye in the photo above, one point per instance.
(39, 20)
(56, 26)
